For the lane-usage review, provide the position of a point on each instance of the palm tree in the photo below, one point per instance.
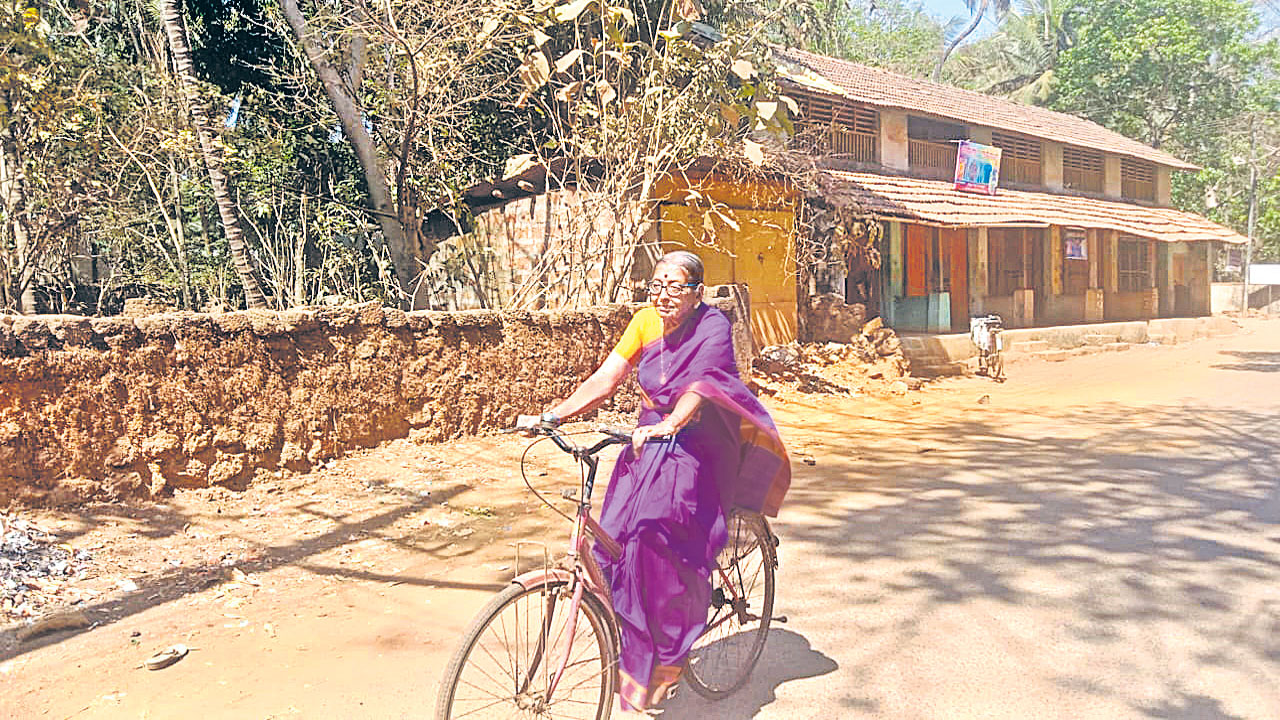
(1034, 38)
(977, 10)
(212, 152)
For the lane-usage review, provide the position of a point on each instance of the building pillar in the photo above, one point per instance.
(1095, 257)
(1051, 162)
(1200, 277)
(893, 140)
(893, 279)
(1164, 186)
(1111, 268)
(1053, 256)
(1164, 279)
(1094, 295)
(1111, 185)
(977, 270)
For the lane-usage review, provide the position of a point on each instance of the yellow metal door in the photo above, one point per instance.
(682, 229)
(758, 253)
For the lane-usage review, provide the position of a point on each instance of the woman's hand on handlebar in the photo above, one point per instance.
(646, 432)
(530, 425)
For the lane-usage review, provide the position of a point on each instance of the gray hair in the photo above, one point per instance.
(690, 263)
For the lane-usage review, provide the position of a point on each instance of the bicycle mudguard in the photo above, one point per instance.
(534, 578)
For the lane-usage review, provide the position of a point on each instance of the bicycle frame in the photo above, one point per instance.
(581, 573)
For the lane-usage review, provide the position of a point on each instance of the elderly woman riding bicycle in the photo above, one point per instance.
(668, 500)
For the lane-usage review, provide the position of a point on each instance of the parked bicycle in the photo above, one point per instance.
(985, 333)
(547, 645)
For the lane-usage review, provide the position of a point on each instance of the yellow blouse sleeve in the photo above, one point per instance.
(644, 328)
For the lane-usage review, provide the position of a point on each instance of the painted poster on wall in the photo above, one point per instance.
(977, 168)
(1075, 246)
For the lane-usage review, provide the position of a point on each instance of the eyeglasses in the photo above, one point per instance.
(673, 289)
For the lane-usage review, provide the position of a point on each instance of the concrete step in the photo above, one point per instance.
(1099, 339)
(1116, 346)
(1051, 355)
(1030, 347)
(940, 369)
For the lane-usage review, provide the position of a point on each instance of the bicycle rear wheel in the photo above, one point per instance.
(515, 647)
(740, 613)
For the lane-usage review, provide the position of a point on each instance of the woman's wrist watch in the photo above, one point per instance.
(549, 418)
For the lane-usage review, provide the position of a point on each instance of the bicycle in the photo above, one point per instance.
(547, 645)
(985, 333)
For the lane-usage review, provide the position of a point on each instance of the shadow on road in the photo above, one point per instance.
(1254, 361)
(1107, 518)
(787, 656)
(179, 582)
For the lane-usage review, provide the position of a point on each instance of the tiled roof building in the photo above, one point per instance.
(1080, 226)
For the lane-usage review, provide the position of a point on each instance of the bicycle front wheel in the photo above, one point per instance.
(509, 660)
(740, 613)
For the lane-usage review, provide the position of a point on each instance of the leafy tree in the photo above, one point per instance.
(890, 34)
(1190, 76)
(46, 143)
(1161, 70)
(1020, 60)
(212, 153)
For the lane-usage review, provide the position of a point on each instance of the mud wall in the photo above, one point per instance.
(105, 408)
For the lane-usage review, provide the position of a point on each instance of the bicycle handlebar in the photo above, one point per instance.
(532, 425)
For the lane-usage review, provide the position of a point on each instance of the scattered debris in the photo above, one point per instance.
(984, 399)
(166, 657)
(34, 568)
(809, 460)
(239, 576)
(867, 363)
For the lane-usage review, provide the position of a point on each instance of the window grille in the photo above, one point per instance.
(1020, 158)
(1082, 169)
(1137, 179)
(1134, 265)
(842, 128)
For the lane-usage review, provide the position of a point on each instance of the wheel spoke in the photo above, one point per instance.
(734, 636)
(536, 643)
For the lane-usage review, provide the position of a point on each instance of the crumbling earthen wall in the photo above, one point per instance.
(102, 408)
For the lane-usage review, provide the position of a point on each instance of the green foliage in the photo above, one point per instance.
(116, 202)
(1019, 61)
(234, 43)
(893, 34)
(1161, 70)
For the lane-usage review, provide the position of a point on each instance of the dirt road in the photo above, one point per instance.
(1098, 538)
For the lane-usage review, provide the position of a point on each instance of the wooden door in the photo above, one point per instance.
(918, 256)
(957, 243)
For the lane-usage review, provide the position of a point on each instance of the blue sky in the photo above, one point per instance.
(946, 10)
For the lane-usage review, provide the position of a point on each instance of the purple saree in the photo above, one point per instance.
(667, 507)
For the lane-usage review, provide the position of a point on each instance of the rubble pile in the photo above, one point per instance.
(871, 362)
(34, 568)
